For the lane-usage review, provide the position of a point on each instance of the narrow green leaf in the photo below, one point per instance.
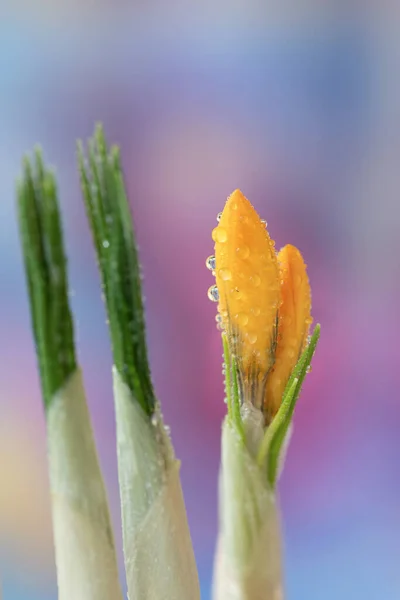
(232, 389)
(110, 220)
(274, 438)
(46, 274)
(227, 367)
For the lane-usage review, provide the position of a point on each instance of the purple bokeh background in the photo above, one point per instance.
(299, 109)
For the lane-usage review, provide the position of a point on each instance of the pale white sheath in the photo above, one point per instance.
(159, 558)
(248, 558)
(84, 544)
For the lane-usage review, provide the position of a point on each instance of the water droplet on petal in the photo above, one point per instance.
(220, 325)
(225, 274)
(252, 337)
(219, 215)
(213, 293)
(210, 263)
(221, 235)
(256, 280)
(243, 252)
(256, 311)
(264, 222)
(106, 244)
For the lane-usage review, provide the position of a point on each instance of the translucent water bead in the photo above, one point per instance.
(210, 263)
(213, 293)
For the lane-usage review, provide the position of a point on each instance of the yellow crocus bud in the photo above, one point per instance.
(293, 327)
(247, 280)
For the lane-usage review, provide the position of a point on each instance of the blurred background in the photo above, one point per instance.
(298, 105)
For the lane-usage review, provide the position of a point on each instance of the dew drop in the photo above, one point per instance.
(256, 311)
(210, 263)
(225, 274)
(264, 222)
(252, 337)
(256, 280)
(106, 244)
(219, 234)
(242, 319)
(309, 369)
(237, 293)
(213, 293)
(243, 252)
(220, 325)
(291, 353)
(219, 215)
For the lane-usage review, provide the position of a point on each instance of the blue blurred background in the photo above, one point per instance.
(297, 105)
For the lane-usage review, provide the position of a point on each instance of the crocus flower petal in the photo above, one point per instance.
(247, 278)
(293, 327)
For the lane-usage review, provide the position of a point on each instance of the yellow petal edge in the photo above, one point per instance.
(293, 327)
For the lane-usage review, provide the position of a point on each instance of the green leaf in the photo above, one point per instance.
(272, 445)
(110, 219)
(232, 389)
(46, 274)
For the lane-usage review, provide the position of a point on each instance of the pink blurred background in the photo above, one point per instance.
(299, 107)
